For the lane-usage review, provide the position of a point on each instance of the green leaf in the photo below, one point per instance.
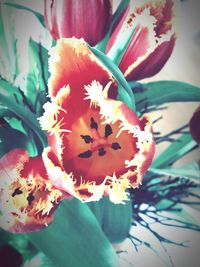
(75, 238)
(37, 77)
(5, 237)
(11, 138)
(29, 119)
(190, 171)
(124, 90)
(115, 219)
(123, 4)
(176, 150)
(22, 244)
(15, 123)
(12, 90)
(4, 112)
(158, 93)
(102, 45)
(39, 16)
(8, 49)
(119, 48)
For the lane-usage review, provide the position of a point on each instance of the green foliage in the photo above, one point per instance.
(8, 100)
(122, 5)
(190, 171)
(157, 93)
(180, 147)
(124, 90)
(8, 50)
(75, 238)
(37, 77)
(11, 138)
(115, 220)
(118, 49)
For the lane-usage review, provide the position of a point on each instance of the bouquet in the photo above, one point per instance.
(87, 175)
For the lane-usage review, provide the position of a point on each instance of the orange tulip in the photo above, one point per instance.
(98, 146)
(88, 19)
(28, 199)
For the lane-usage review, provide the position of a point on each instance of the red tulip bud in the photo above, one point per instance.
(88, 19)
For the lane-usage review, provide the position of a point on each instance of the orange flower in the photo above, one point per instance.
(97, 144)
(152, 41)
(28, 199)
(88, 19)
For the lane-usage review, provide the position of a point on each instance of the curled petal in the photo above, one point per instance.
(152, 41)
(152, 62)
(28, 199)
(72, 63)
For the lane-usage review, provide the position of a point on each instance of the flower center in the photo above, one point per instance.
(94, 149)
(98, 144)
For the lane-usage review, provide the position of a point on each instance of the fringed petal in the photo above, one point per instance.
(28, 199)
(151, 43)
(72, 63)
(95, 160)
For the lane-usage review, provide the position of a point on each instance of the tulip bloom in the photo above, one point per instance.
(88, 19)
(98, 146)
(28, 199)
(152, 41)
(194, 125)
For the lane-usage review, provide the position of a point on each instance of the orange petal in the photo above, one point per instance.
(72, 63)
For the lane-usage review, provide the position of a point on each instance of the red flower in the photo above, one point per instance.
(97, 144)
(152, 42)
(28, 199)
(88, 19)
(194, 125)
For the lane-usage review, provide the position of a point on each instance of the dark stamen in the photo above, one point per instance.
(108, 130)
(102, 152)
(85, 154)
(30, 198)
(16, 192)
(93, 124)
(87, 139)
(115, 146)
